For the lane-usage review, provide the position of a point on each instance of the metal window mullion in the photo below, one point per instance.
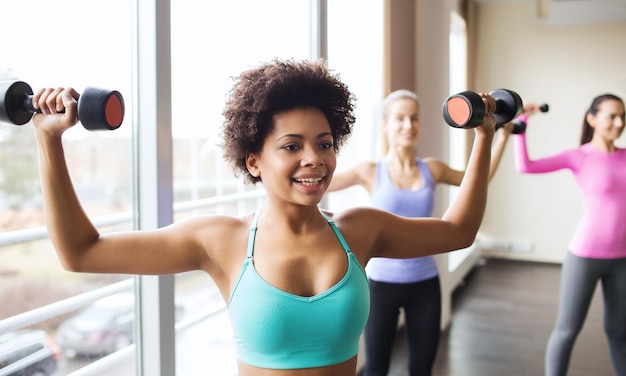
(154, 330)
(319, 29)
(319, 43)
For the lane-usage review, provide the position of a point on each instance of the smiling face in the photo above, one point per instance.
(401, 125)
(608, 122)
(297, 159)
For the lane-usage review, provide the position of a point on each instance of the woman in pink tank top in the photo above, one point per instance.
(597, 251)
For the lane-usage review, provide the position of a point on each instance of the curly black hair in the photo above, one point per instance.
(274, 87)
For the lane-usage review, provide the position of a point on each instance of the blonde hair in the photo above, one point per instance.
(386, 104)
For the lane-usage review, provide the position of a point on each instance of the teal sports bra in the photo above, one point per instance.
(279, 330)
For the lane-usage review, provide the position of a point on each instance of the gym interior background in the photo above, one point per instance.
(172, 62)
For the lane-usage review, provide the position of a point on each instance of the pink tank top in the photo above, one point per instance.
(601, 178)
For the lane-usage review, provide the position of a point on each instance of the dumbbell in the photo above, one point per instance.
(467, 109)
(98, 109)
(519, 126)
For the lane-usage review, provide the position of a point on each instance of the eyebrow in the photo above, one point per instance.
(300, 136)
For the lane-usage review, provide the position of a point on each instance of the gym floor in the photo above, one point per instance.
(502, 317)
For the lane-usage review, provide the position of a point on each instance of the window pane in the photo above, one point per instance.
(355, 52)
(49, 44)
(458, 140)
(212, 42)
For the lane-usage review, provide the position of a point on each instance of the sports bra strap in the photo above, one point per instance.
(255, 220)
(342, 240)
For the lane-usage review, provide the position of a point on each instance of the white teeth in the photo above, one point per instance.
(309, 181)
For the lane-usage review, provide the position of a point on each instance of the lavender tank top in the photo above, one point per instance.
(407, 203)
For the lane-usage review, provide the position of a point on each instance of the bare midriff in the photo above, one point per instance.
(347, 368)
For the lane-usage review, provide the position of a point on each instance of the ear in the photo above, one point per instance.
(252, 163)
(590, 119)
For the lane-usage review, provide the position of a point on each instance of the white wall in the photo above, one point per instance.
(566, 66)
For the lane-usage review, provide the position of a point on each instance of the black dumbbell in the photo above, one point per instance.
(519, 126)
(98, 109)
(467, 109)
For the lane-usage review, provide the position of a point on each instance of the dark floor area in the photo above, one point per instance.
(502, 317)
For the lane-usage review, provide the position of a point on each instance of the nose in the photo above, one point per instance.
(312, 158)
(407, 123)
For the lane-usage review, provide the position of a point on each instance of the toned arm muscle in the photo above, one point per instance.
(180, 247)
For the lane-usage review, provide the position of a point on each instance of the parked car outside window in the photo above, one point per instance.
(27, 353)
(104, 327)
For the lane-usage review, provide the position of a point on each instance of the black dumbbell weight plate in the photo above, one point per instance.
(464, 110)
(14, 107)
(508, 105)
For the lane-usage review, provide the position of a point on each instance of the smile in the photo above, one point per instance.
(309, 181)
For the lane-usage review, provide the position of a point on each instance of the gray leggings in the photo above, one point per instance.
(579, 277)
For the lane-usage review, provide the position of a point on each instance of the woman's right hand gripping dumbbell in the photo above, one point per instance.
(59, 109)
(489, 121)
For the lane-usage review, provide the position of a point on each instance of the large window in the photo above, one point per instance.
(79, 44)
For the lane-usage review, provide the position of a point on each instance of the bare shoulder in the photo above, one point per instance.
(352, 214)
(363, 218)
(214, 223)
(223, 241)
(221, 228)
(438, 168)
(443, 173)
(434, 163)
(221, 236)
(361, 227)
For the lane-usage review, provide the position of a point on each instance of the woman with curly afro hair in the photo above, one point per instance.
(291, 274)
